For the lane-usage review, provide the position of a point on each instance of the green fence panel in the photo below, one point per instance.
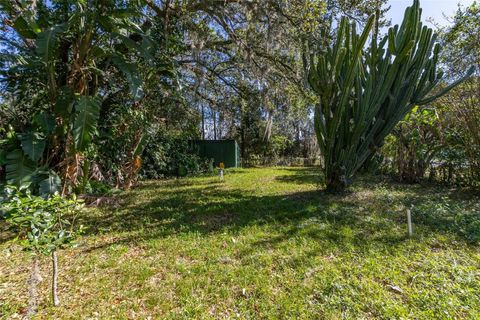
(226, 151)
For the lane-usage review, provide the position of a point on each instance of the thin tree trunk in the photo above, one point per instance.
(203, 122)
(242, 132)
(268, 128)
(56, 301)
(220, 121)
(214, 125)
(35, 279)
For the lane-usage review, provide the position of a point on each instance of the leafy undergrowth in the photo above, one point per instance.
(266, 243)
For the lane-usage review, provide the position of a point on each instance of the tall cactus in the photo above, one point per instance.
(365, 91)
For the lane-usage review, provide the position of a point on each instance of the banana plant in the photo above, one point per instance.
(364, 91)
(65, 54)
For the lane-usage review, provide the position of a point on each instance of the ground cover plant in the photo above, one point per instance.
(266, 243)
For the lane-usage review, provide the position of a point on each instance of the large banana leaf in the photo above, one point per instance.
(51, 184)
(47, 42)
(20, 169)
(140, 146)
(85, 126)
(3, 157)
(131, 73)
(3, 151)
(44, 122)
(64, 103)
(33, 144)
(25, 28)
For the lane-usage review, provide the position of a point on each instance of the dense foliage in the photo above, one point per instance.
(100, 94)
(64, 64)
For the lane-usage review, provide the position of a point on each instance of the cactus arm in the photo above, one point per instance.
(448, 88)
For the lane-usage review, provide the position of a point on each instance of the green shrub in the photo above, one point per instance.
(169, 154)
(42, 225)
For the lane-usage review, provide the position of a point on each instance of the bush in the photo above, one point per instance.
(170, 155)
(42, 225)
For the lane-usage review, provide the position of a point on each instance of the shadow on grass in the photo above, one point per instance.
(310, 175)
(362, 218)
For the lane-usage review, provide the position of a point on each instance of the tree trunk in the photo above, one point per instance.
(203, 122)
(220, 120)
(56, 301)
(214, 125)
(35, 279)
(336, 182)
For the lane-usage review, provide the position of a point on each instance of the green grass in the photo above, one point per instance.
(265, 244)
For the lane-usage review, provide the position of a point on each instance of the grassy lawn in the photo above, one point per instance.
(265, 244)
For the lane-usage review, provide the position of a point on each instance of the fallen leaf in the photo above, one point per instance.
(395, 289)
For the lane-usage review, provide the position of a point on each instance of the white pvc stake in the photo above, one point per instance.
(409, 222)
